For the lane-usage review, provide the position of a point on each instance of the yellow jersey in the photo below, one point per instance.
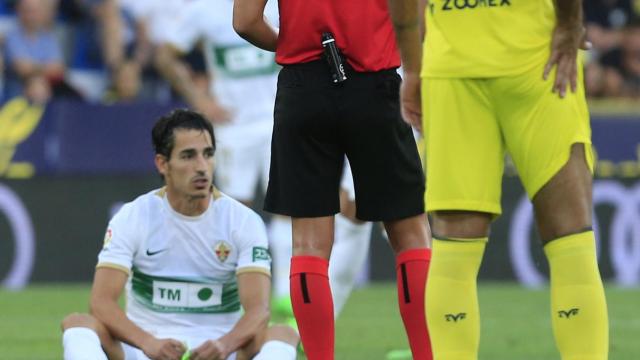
(486, 38)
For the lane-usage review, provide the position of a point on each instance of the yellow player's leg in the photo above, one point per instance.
(464, 162)
(578, 305)
(464, 147)
(549, 140)
(539, 127)
(453, 313)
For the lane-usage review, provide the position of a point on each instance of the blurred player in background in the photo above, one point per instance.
(504, 76)
(190, 259)
(240, 103)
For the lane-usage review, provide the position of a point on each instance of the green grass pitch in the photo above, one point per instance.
(515, 323)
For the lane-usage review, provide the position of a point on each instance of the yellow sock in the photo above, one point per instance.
(578, 305)
(451, 301)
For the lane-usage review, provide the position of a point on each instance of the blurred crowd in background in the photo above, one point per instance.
(613, 65)
(93, 50)
(104, 51)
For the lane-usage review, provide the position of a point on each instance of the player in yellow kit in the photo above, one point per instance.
(503, 76)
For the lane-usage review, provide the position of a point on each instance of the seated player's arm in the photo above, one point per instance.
(108, 284)
(254, 288)
(251, 24)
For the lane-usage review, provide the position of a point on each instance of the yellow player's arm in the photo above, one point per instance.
(568, 36)
(254, 289)
(407, 22)
(422, 7)
(407, 17)
(251, 24)
(569, 13)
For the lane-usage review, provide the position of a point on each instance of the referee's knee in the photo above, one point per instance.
(408, 233)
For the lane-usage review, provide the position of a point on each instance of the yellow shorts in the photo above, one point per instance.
(469, 125)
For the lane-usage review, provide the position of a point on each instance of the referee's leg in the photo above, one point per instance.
(410, 238)
(304, 177)
(389, 185)
(309, 285)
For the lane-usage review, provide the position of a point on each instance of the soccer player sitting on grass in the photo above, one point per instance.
(190, 258)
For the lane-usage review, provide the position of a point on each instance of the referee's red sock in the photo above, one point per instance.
(313, 305)
(412, 267)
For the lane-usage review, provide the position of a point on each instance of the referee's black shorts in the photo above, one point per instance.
(316, 123)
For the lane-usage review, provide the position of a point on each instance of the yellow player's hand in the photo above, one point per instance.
(411, 101)
(565, 44)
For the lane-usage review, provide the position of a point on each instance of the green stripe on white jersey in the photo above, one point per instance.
(185, 295)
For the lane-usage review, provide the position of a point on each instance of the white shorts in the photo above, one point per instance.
(133, 353)
(242, 158)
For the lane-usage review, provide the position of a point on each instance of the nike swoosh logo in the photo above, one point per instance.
(151, 253)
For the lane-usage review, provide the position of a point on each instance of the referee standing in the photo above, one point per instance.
(338, 95)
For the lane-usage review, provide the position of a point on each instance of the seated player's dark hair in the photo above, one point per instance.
(163, 132)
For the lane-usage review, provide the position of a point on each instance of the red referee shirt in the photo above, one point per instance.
(362, 29)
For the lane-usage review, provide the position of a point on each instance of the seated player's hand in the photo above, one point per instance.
(564, 52)
(210, 350)
(163, 349)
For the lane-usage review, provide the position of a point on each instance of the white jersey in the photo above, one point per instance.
(182, 269)
(244, 76)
